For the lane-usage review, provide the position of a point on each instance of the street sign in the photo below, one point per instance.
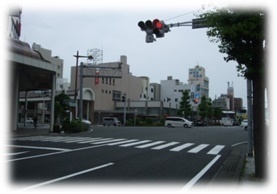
(199, 23)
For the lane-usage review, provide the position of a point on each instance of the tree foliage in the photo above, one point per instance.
(61, 106)
(241, 35)
(185, 106)
(205, 107)
(238, 32)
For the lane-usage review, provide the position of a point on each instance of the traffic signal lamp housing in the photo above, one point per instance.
(157, 27)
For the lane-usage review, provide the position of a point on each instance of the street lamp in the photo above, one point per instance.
(76, 77)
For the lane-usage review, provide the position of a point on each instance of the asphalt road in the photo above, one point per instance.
(183, 157)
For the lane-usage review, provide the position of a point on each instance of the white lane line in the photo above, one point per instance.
(17, 153)
(150, 144)
(199, 175)
(198, 148)
(216, 150)
(181, 147)
(122, 142)
(54, 153)
(165, 145)
(41, 148)
(66, 177)
(135, 143)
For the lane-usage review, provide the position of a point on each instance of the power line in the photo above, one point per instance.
(180, 15)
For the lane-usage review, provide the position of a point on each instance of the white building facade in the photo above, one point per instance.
(198, 78)
(172, 91)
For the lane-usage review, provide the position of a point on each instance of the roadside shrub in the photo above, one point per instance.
(75, 126)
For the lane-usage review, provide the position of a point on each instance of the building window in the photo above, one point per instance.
(113, 81)
(176, 99)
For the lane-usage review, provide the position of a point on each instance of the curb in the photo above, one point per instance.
(230, 171)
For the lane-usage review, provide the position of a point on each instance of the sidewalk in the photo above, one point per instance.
(238, 169)
(29, 131)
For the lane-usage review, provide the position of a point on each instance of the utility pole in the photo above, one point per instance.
(250, 118)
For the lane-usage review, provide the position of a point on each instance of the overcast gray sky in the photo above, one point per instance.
(64, 30)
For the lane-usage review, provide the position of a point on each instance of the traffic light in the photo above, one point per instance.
(157, 27)
(123, 98)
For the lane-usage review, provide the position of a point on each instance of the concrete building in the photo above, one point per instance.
(222, 102)
(172, 91)
(46, 54)
(108, 90)
(197, 77)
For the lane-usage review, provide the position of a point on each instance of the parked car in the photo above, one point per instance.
(177, 122)
(29, 121)
(244, 124)
(86, 122)
(201, 123)
(111, 121)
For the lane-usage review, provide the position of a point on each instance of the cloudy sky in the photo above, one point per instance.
(113, 28)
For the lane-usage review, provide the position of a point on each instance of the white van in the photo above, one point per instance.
(177, 122)
(113, 121)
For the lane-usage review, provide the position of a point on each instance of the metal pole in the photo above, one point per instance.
(81, 92)
(76, 80)
(250, 118)
(124, 117)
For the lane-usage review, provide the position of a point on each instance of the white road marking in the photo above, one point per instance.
(165, 146)
(135, 143)
(16, 153)
(216, 150)
(66, 177)
(41, 148)
(122, 142)
(199, 175)
(150, 144)
(198, 148)
(109, 141)
(181, 147)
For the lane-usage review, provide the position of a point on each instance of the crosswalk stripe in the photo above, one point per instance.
(157, 145)
(181, 147)
(108, 141)
(94, 140)
(165, 145)
(122, 142)
(198, 148)
(216, 150)
(135, 143)
(150, 144)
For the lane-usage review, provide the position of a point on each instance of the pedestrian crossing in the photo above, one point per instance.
(173, 146)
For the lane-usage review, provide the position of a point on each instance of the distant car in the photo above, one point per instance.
(201, 123)
(177, 122)
(111, 121)
(244, 124)
(29, 121)
(86, 122)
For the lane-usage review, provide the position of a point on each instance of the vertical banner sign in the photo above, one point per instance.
(96, 78)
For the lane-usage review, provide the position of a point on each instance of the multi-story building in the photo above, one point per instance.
(172, 91)
(46, 54)
(108, 90)
(198, 78)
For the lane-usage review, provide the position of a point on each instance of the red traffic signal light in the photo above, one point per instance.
(158, 24)
(157, 27)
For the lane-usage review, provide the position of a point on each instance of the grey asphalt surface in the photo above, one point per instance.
(232, 170)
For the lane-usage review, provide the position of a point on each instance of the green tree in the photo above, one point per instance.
(61, 107)
(185, 106)
(241, 36)
(205, 107)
